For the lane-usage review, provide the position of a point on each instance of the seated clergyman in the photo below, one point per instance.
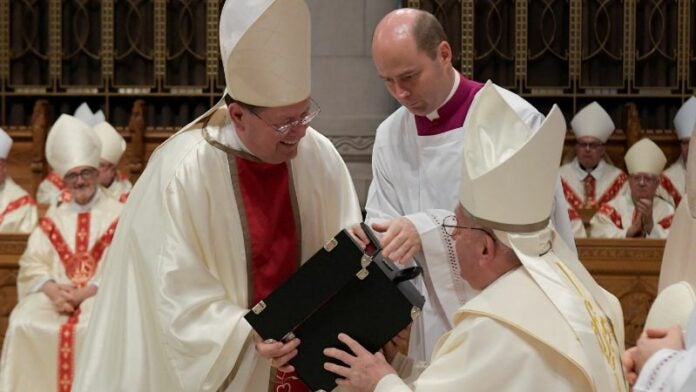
(58, 271)
(588, 180)
(540, 322)
(638, 212)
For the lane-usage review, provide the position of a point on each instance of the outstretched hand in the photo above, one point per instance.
(400, 240)
(363, 370)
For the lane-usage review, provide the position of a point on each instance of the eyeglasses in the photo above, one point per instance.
(313, 112)
(644, 178)
(86, 174)
(450, 225)
(589, 146)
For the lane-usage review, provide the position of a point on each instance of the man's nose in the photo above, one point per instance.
(400, 92)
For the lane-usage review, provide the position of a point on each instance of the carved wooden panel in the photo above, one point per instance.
(629, 269)
(11, 248)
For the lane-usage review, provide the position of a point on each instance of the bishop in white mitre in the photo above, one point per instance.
(639, 212)
(113, 145)
(588, 180)
(59, 270)
(673, 179)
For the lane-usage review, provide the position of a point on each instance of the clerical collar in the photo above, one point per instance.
(582, 171)
(452, 113)
(590, 170)
(435, 115)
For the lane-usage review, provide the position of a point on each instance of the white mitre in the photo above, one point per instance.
(71, 143)
(509, 172)
(112, 143)
(265, 51)
(645, 157)
(673, 306)
(84, 113)
(593, 121)
(685, 119)
(5, 144)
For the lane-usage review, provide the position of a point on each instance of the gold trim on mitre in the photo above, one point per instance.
(509, 171)
(645, 157)
(266, 51)
(593, 121)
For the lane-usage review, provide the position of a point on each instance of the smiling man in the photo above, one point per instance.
(225, 211)
(58, 271)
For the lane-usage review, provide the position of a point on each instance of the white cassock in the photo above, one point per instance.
(673, 182)
(613, 219)
(511, 337)
(608, 183)
(17, 209)
(41, 346)
(413, 173)
(185, 273)
(120, 187)
(671, 370)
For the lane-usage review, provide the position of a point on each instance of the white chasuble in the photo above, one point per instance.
(42, 347)
(171, 309)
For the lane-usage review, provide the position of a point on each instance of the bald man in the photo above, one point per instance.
(418, 148)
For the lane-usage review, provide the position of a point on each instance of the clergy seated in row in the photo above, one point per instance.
(17, 208)
(52, 189)
(540, 322)
(588, 180)
(673, 180)
(638, 212)
(59, 269)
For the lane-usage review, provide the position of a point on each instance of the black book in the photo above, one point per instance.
(342, 288)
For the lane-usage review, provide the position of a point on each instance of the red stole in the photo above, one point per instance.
(453, 112)
(274, 239)
(80, 266)
(16, 204)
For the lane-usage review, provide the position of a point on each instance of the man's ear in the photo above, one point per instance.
(445, 51)
(487, 250)
(236, 114)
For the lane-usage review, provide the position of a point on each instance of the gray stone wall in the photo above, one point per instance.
(344, 82)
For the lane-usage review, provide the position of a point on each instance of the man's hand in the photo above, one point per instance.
(629, 364)
(636, 228)
(359, 235)
(81, 293)
(400, 240)
(397, 344)
(655, 339)
(364, 368)
(644, 208)
(60, 295)
(277, 352)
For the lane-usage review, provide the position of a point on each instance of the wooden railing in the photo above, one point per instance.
(627, 268)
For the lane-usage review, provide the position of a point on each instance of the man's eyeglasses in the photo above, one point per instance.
(644, 179)
(450, 225)
(86, 174)
(312, 113)
(589, 146)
